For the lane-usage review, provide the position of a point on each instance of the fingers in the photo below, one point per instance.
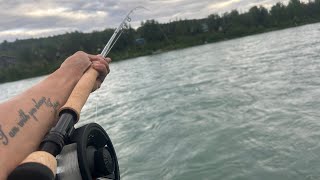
(102, 69)
(99, 58)
(100, 64)
(106, 59)
(79, 62)
(104, 62)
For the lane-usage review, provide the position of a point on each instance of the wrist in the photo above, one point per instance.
(70, 73)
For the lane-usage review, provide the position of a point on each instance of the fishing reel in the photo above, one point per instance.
(88, 155)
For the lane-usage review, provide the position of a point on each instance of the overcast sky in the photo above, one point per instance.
(22, 19)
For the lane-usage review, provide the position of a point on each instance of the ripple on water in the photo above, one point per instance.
(241, 109)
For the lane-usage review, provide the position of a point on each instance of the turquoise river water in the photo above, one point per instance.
(244, 109)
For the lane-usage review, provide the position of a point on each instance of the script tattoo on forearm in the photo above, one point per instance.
(25, 117)
(40, 103)
(3, 137)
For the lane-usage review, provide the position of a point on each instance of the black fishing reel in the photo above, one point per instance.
(89, 155)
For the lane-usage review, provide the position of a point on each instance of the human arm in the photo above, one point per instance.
(25, 119)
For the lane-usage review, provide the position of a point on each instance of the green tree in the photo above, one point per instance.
(150, 31)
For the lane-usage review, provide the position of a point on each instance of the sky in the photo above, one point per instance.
(21, 19)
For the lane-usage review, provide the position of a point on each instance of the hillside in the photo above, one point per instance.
(33, 57)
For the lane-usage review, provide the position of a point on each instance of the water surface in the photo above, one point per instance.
(242, 109)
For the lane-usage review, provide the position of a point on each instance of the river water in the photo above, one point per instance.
(242, 109)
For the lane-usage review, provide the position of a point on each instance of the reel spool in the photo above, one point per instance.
(89, 155)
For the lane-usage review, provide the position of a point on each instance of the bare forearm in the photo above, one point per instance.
(25, 119)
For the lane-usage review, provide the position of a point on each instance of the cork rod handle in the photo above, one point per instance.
(81, 92)
(38, 165)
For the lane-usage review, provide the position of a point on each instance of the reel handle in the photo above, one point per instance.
(42, 164)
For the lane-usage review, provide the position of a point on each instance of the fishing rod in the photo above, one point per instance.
(117, 33)
(66, 153)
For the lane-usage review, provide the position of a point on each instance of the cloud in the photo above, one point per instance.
(220, 5)
(38, 18)
(65, 13)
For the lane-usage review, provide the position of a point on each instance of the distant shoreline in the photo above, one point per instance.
(35, 57)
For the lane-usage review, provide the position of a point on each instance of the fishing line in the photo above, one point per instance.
(112, 41)
(97, 104)
(67, 170)
(114, 38)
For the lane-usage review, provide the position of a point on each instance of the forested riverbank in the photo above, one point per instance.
(33, 57)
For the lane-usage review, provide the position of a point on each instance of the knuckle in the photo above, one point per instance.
(80, 53)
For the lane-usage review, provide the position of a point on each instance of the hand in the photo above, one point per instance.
(81, 61)
(101, 64)
(78, 63)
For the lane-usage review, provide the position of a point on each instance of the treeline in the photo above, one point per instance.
(34, 57)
